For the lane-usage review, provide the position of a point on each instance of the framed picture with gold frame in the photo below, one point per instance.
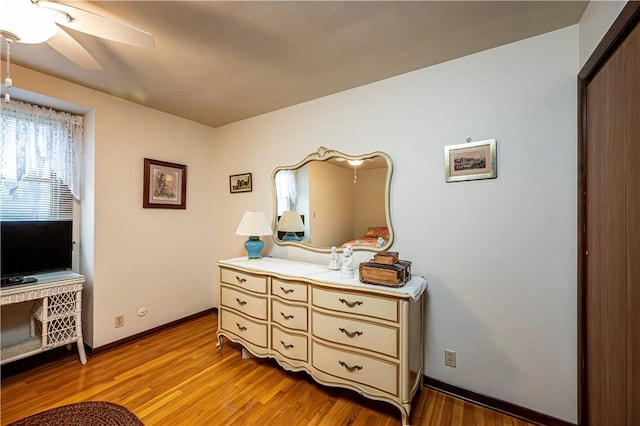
(164, 185)
(471, 161)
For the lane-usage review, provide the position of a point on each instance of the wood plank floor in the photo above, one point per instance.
(178, 377)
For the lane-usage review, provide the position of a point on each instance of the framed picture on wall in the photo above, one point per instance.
(471, 161)
(164, 185)
(240, 183)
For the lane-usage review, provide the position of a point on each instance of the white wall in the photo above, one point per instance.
(499, 255)
(595, 22)
(134, 257)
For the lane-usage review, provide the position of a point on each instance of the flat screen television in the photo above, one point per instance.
(33, 247)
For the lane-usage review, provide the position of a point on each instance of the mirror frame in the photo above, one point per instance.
(324, 154)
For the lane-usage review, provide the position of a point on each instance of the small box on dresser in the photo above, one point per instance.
(386, 258)
(395, 275)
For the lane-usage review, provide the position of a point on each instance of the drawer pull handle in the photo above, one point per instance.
(241, 328)
(350, 368)
(350, 333)
(241, 302)
(240, 280)
(350, 304)
(287, 317)
(286, 291)
(285, 345)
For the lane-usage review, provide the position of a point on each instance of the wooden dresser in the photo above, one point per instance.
(342, 332)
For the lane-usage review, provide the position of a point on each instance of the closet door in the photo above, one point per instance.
(611, 287)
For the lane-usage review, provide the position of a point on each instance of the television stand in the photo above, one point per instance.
(55, 318)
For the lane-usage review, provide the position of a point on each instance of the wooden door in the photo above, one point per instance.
(610, 246)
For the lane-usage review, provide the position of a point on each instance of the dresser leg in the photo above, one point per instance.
(220, 342)
(404, 412)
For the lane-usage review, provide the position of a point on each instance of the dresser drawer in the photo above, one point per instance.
(243, 280)
(290, 316)
(246, 303)
(251, 331)
(289, 290)
(355, 368)
(293, 346)
(360, 334)
(356, 303)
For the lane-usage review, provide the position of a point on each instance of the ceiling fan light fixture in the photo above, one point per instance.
(355, 164)
(24, 22)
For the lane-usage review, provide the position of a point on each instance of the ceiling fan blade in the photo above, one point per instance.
(100, 26)
(70, 48)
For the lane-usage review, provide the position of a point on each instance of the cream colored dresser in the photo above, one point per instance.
(342, 332)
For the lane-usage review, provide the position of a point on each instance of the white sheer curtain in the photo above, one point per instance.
(286, 190)
(39, 142)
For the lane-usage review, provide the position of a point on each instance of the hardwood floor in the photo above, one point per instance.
(178, 377)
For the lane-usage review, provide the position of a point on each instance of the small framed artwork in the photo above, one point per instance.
(164, 185)
(471, 161)
(240, 183)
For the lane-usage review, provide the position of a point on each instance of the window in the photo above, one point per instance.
(286, 190)
(40, 154)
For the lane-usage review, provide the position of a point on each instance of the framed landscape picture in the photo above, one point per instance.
(164, 185)
(471, 161)
(240, 183)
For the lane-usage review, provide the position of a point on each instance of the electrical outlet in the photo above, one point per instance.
(118, 321)
(450, 358)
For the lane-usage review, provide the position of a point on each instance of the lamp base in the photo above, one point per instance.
(254, 246)
(290, 236)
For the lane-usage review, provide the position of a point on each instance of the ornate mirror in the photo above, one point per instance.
(330, 199)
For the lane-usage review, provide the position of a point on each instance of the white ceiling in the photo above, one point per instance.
(219, 62)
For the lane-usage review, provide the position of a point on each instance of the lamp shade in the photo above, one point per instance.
(254, 223)
(290, 221)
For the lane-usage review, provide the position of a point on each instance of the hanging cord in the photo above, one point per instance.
(7, 81)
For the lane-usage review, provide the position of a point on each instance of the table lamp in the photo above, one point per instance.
(252, 225)
(290, 222)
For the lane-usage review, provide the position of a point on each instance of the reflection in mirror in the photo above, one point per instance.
(291, 225)
(331, 199)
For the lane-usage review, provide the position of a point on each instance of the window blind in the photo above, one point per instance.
(40, 156)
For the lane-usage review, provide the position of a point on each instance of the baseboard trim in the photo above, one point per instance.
(109, 346)
(495, 404)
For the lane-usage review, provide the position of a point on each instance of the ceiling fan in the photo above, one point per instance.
(39, 21)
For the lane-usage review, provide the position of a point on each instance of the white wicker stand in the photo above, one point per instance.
(55, 316)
